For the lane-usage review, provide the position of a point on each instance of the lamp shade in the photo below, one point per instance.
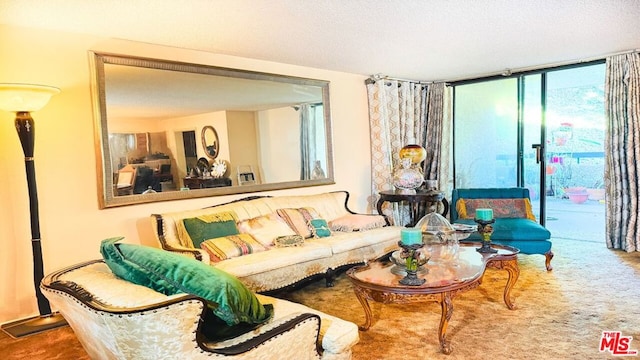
(416, 152)
(25, 97)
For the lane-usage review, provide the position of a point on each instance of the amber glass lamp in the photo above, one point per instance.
(408, 176)
(416, 152)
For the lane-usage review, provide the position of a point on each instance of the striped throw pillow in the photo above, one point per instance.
(231, 246)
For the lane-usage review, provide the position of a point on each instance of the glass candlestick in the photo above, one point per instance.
(485, 228)
(413, 260)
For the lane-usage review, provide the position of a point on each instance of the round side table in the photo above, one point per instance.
(420, 203)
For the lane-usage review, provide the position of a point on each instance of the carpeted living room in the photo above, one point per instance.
(354, 86)
(560, 314)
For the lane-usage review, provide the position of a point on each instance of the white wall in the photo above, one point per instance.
(72, 226)
(243, 144)
(278, 162)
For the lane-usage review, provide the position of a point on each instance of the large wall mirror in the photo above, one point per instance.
(168, 130)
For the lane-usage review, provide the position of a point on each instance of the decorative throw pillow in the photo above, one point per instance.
(265, 228)
(193, 231)
(298, 219)
(289, 241)
(320, 228)
(502, 208)
(357, 222)
(227, 247)
(169, 273)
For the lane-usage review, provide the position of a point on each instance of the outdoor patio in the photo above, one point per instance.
(581, 222)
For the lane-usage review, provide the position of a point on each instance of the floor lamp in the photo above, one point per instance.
(23, 99)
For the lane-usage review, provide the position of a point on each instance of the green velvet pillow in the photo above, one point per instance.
(170, 273)
(320, 228)
(196, 230)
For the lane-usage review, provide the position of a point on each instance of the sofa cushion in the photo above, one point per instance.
(319, 228)
(193, 231)
(357, 222)
(275, 258)
(171, 273)
(226, 247)
(502, 208)
(328, 205)
(298, 219)
(344, 242)
(265, 228)
(512, 229)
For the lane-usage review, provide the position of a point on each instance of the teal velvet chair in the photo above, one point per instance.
(520, 232)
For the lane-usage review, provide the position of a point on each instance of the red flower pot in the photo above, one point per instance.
(578, 198)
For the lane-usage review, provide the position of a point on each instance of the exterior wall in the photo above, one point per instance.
(71, 224)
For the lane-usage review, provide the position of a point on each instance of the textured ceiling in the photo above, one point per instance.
(413, 39)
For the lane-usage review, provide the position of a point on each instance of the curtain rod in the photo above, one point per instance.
(297, 106)
(376, 77)
(506, 72)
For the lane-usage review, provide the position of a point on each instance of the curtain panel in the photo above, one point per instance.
(402, 113)
(622, 146)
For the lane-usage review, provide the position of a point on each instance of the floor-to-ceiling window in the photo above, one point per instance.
(500, 123)
(485, 134)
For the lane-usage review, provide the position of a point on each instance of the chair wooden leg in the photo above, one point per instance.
(548, 255)
(329, 277)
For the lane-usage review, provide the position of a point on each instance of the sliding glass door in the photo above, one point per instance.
(522, 131)
(532, 121)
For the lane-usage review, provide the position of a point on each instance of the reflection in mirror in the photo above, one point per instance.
(210, 141)
(151, 110)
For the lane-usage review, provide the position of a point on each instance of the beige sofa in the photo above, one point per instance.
(117, 319)
(280, 267)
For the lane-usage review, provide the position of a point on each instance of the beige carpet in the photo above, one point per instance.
(560, 314)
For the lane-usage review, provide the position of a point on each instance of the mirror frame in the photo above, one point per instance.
(204, 141)
(104, 167)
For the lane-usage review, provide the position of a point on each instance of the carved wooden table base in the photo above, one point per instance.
(444, 299)
(376, 283)
(511, 266)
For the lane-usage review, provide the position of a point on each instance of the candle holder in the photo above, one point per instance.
(485, 228)
(413, 260)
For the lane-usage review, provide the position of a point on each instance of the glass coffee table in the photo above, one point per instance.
(445, 275)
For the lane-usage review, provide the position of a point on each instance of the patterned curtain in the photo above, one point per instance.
(622, 144)
(437, 126)
(444, 106)
(402, 113)
(309, 139)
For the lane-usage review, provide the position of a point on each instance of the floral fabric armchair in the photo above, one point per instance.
(117, 319)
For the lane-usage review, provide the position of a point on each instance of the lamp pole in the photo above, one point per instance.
(26, 132)
(22, 99)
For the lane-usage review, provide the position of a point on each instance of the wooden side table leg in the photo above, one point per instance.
(379, 208)
(362, 298)
(447, 310)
